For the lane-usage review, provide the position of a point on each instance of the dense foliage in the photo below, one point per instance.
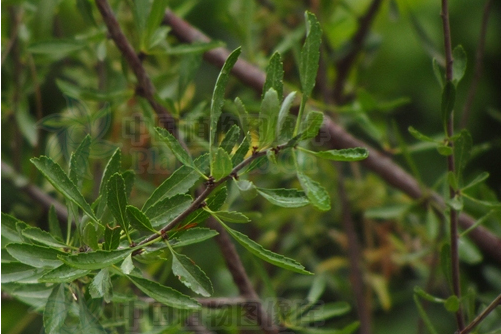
(147, 190)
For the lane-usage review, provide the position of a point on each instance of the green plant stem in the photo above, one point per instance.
(456, 285)
(495, 303)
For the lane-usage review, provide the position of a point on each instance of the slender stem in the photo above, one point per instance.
(478, 65)
(456, 285)
(495, 303)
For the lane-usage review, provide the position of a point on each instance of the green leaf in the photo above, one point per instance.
(111, 237)
(59, 180)
(275, 75)
(468, 252)
(187, 49)
(88, 321)
(63, 274)
(444, 150)
(19, 273)
(462, 150)
(346, 154)
(424, 316)
(101, 286)
(455, 203)
(439, 73)
(193, 236)
(117, 201)
(313, 123)
(317, 289)
(112, 167)
(266, 255)
(35, 256)
(419, 136)
(190, 274)
(221, 164)
(56, 310)
(97, 259)
(128, 265)
(459, 64)
(268, 118)
(285, 129)
(317, 195)
(247, 189)
(10, 230)
(452, 304)
(175, 147)
(138, 219)
(479, 179)
(129, 177)
(445, 261)
(85, 9)
(187, 72)
(448, 101)
(230, 139)
(54, 227)
(79, 161)
(310, 54)
(164, 294)
(217, 100)
(242, 150)
(35, 295)
(167, 209)
(56, 47)
(178, 183)
(157, 13)
(452, 180)
(423, 294)
(326, 311)
(287, 198)
(38, 235)
(231, 216)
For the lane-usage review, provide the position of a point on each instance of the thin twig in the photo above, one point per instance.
(479, 57)
(495, 303)
(456, 285)
(356, 276)
(17, 18)
(378, 162)
(344, 65)
(145, 86)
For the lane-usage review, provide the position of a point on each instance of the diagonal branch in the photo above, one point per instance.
(378, 162)
(495, 303)
(145, 86)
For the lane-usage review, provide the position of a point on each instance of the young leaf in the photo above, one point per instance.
(346, 154)
(164, 294)
(97, 259)
(282, 116)
(127, 266)
(194, 236)
(101, 286)
(167, 209)
(35, 256)
(287, 198)
(179, 182)
(459, 64)
(117, 201)
(419, 136)
(79, 162)
(266, 255)
(242, 150)
(423, 294)
(190, 274)
(313, 122)
(157, 13)
(55, 310)
(424, 316)
(275, 75)
(38, 235)
(175, 147)
(138, 219)
(221, 165)
(439, 73)
(326, 311)
(58, 178)
(63, 274)
(54, 227)
(231, 216)
(310, 54)
(230, 140)
(268, 118)
(317, 195)
(448, 101)
(111, 237)
(217, 100)
(247, 189)
(112, 167)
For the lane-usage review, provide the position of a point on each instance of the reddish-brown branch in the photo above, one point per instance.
(379, 163)
(345, 64)
(145, 86)
(495, 303)
(479, 57)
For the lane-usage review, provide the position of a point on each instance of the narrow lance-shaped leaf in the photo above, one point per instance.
(275, 75)
(79, 163)
(268, 118)
(287, 198)
(167, 209)
(112, 167)
(231, 216)
(156, 15)
(194, 236)
(55, 310)
(264, 254)
(164, 294)
(448, 101)
(230, 139)
(317, 194)
(346, 154)
(190, 274)
(247, 189)
(63, 274)
(313, 124)
(282, 131)
(43, 237)
(175, 147)
(459, 64)
(138, 219)
(36, 256)
(217, 100)
(221, 165)
(242, 150)
(58, 178)
(310, 54)
(326, 311)
(117, 201)
(97, 259)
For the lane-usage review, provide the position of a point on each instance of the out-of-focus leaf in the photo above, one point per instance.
(459, 64)
(448, 101)
(468, 252)
(283, 133)
(56, 47)
(247, 189)
(419, 136)
(326, 311)
(439, 73)
(452, 304)
(54, 227)
(346, 154)
(313, 123)
(268, 118)
(56, 310)
(101, 286)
